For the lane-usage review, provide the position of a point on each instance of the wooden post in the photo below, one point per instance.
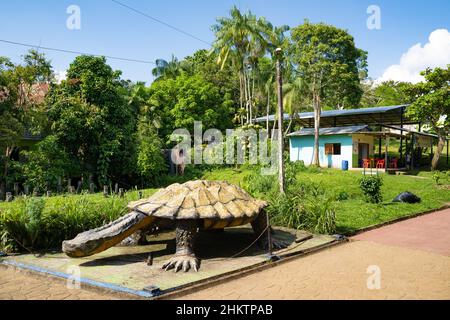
(279, 53)
(2, 190)
(16, 189)
(59, 186)
(79, 185)
(140, 194)
(269, 235)
(116, 188)
(379, 142)
(69, 184)
(386, 158)
(412, 151)
(401, 135)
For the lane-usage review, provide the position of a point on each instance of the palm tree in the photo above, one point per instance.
(239, 39)
(167, 69)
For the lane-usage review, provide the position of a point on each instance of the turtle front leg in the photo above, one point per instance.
(259, 226)
(184, 257)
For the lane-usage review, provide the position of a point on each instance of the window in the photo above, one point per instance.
(332, 148)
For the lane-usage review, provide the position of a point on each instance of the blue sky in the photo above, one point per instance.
(107, 28)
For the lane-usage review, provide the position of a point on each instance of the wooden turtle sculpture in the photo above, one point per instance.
(190, 207)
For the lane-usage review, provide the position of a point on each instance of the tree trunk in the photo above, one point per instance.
(288, 128)
(267, 111)
(317, 112)
(437, 153)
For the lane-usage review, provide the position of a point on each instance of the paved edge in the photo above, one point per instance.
(386, 223)
(60, 277)
(245, 272)
(102, 287)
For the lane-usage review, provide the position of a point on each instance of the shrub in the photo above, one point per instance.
(371, 188)
(35, 223)
(317, 215)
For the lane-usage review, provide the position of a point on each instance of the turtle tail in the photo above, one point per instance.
(100, 239)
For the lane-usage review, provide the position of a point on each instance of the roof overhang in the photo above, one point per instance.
(334, 118)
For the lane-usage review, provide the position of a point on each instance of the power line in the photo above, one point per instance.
(76, 52)
(161, 22)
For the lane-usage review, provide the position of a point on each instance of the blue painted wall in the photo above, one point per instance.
(301, 149)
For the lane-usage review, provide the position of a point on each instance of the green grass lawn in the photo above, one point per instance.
(64, 216)
(354, 213)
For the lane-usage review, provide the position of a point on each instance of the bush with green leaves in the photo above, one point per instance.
(29, 223)
(371, 188)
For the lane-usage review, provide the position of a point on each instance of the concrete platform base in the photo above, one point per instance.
(125, 270)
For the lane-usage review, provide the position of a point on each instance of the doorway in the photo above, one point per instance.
(363, 153)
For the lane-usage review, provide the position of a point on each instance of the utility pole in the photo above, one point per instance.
(279, 55)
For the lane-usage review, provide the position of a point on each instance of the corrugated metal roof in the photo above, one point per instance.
(336, 113)
(329, 131)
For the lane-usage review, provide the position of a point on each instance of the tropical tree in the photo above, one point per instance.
(181, 101)
(92, 118)
(387, 93)
(432, 105)
(330, 65)
(167, 69)
(21, 107)
(240, 39)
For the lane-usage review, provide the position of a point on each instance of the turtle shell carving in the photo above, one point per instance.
(213, 200)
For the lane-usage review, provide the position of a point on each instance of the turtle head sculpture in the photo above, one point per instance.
(191, 207)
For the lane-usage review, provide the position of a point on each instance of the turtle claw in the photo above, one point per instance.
(182, 262)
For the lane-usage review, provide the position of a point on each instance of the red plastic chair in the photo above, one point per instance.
(380, 164)
(394, 163)
(366, 163)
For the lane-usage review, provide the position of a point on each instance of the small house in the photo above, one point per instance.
(336, 144)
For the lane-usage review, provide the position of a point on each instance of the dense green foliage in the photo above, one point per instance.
(371, 187)
(181, 101)
(319, 198)
(432, 105)
(43, 223)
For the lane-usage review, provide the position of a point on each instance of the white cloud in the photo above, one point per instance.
(435, 53)
(60, 76)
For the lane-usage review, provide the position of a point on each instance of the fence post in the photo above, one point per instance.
(79, 185)
(116, 188)
(59, 186)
